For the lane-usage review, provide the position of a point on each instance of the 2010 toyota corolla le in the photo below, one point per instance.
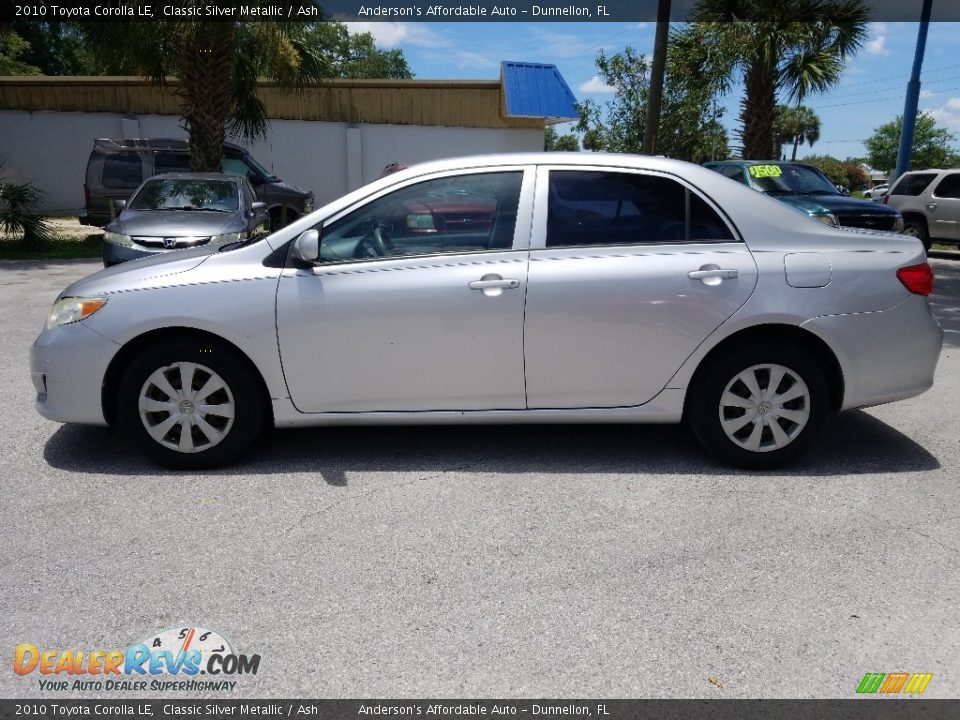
(556, 288)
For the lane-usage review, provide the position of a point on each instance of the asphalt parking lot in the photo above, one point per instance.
(492, 562)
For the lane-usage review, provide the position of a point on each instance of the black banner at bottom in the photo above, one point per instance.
(854, 709)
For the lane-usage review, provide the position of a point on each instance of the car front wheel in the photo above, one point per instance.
(759, 408)
(190, 405)
(915, 228)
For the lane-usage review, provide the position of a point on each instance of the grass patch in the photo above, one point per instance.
(59, 248)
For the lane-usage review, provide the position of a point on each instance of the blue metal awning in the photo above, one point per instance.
(536, 90)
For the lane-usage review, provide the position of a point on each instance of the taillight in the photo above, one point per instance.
(918, 279)
(885, 199)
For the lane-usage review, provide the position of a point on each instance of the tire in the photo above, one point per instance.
(277, 218)
(156, 378)
(721, 400)
(917, 229)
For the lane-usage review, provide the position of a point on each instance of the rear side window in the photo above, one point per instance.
(949, 187)
(122, 171)
(608, 208)
(913, 184)
(171, 162)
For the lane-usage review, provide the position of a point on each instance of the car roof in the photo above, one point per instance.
(196, 176)
(119, 144)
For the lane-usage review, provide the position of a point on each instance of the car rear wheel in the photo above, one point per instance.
(190, 405)
(916, 228)
(760, 407)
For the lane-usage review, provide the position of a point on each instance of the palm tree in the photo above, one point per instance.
(796, 125)
(796, 48)
(217, 65)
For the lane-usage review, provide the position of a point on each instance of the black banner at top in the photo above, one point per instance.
(401, 10)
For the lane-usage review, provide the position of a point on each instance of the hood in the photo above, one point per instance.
(175, 223)
(836, 204)
(288, 188)
(150, 271)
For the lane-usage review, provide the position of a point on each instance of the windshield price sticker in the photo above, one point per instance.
(766, 171)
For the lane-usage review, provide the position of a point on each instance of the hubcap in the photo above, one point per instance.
(186, 407)
(765, 408)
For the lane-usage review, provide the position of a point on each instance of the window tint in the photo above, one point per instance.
(171, 162)
(236, 166)
(913, 184)
(464, 213)
(949, 187)
(600, 208)
(122, 171)
(170, 194)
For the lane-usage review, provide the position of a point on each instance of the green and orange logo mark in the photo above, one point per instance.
(892, 683)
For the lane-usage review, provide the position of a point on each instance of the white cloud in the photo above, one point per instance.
(877, 45)
(394, 34)
(927, 93)
(596, 85)
(948, 114)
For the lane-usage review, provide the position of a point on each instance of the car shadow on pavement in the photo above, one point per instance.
(854, 443)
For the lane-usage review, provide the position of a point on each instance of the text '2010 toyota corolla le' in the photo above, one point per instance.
(512, 288)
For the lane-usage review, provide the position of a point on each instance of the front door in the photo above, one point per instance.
(944, 208)
(417, 303)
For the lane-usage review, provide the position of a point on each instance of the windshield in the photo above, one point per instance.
(187, 194)
(789, 179)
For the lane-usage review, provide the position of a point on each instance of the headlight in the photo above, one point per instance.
(828, 219)
(117, 238)
(898, 224)
(71, 310)
(228, 237)
(308, 204)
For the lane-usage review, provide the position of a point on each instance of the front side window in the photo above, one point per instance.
(187, 194)
(609, 208)
(464, 213)
(913, 184)
(122, 171)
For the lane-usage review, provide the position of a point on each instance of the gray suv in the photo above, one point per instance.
(929, 201)
(117, 167)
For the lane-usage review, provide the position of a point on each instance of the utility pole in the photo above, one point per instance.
(656, 78)
(913, 96)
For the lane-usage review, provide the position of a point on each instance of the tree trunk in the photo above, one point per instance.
(796, 141)
(652, 128)
(759, 112)
(206, 89)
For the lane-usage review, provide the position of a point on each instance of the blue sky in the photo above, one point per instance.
(871, 91)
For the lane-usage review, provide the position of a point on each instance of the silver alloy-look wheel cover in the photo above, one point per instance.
(186, 407)
(764, 408)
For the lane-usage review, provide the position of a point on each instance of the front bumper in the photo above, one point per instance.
(885, 356)
(67, 366)
(113, 253)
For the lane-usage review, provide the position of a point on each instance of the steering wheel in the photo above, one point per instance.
(378, 240)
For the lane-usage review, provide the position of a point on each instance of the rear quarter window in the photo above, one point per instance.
(913, 184)
(949, 187)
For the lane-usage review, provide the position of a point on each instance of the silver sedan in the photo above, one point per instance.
(515, 288)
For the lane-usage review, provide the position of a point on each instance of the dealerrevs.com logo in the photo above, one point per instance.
(184, 658)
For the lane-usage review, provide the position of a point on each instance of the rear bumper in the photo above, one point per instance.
(885, 356)
(67, 366)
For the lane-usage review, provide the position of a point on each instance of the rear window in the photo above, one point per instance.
(913, 184)
(122, 171)
(949, 187)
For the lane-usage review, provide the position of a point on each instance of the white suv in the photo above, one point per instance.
(929, 201)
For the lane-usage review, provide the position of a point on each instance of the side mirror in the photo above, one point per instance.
(306, 248)
(257, 207)
(119, 204)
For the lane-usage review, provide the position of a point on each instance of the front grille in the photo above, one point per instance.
(158, 242)
(869, 221)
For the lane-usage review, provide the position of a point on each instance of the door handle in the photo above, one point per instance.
(717, 273)
(931, 206)
(509, 283)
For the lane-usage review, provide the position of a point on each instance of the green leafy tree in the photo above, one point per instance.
(13, 48)
(57, 48)
(831, 167)
(354, 55)
(795, 126)
(793, 49)
(932, 145)
(218, 65)
(554, 141)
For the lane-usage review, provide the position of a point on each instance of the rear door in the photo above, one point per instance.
(944, 208)
(629, 272)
